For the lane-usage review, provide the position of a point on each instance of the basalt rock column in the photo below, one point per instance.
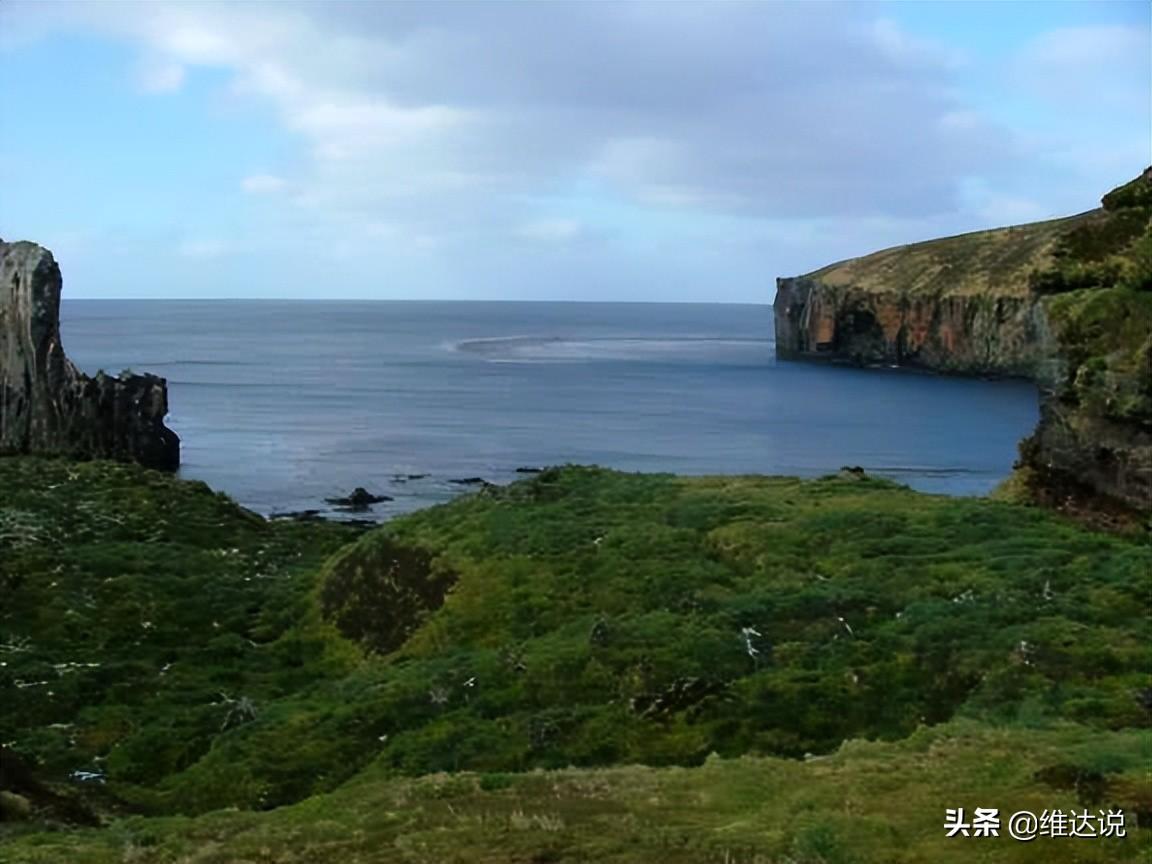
(47, 405)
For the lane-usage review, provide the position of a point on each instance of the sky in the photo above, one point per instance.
(648, 151)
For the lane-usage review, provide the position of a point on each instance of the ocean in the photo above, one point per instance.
(284, 404)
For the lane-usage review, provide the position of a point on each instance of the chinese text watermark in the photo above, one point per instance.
(1026, 825)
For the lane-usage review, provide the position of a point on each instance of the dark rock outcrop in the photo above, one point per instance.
(1094, 438)
(1078, 452)
(360, 499)
(47, 406)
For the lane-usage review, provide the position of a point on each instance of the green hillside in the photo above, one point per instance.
(1098, 249)
(1102, 315)
(197, 658)
(999, 261)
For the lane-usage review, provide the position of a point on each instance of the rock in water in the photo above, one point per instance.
(50, 407)
(360, 499)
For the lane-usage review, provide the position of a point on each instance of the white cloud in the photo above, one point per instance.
(902, 46)
(445, 115)
(1083, 48)
(202, 247)
(551, 229)
(396, 237)
(442, 127)
(157, 75)
(1108, 65)
(262, 184)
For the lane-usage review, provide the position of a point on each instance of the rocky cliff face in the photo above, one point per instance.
(1077, 453)
(1066, 302)
(975, 334)
(961, 304)
(1094, 438)
(47, 405)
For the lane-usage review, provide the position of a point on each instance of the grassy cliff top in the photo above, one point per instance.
(998, 261)
(1103, 248)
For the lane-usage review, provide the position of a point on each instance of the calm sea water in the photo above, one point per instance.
(282, 404)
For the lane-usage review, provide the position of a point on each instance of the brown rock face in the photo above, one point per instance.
(47, 405)
(959, 304)
(975, 334)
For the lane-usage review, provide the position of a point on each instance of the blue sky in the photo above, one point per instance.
(575, 151)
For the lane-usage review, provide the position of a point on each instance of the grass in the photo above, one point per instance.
(1098, 249)
(560, 670)
(138, 609)
(1106, 340)
(867, 802)
(998, 262)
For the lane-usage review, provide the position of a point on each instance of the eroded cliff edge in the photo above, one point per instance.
(961, 304)
(1067, 302)
(47, 405)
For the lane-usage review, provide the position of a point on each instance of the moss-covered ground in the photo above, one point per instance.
(584, 666)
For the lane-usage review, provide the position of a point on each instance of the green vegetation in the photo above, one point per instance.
(1102, 316)
(143, 615)
(1001, 262)
(1106, 341)
(869, 803)
(1101, 248)
(1111, 249)
(730, 633)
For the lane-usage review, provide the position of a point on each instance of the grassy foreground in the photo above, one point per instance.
(483, 680)
(869, 802)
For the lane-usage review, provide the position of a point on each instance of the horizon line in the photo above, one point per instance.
(407, 300)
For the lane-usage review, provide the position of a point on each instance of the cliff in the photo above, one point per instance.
(960, 304)
(47, 405)
(1067, 302)
(1094, 439)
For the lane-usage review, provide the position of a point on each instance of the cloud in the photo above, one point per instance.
(157, 75)
(1083, 48)
(447, 113)
(902, 46)
(551, 229)
(1103, 64)
(262, 184)
(203, 247)
(792, 132)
